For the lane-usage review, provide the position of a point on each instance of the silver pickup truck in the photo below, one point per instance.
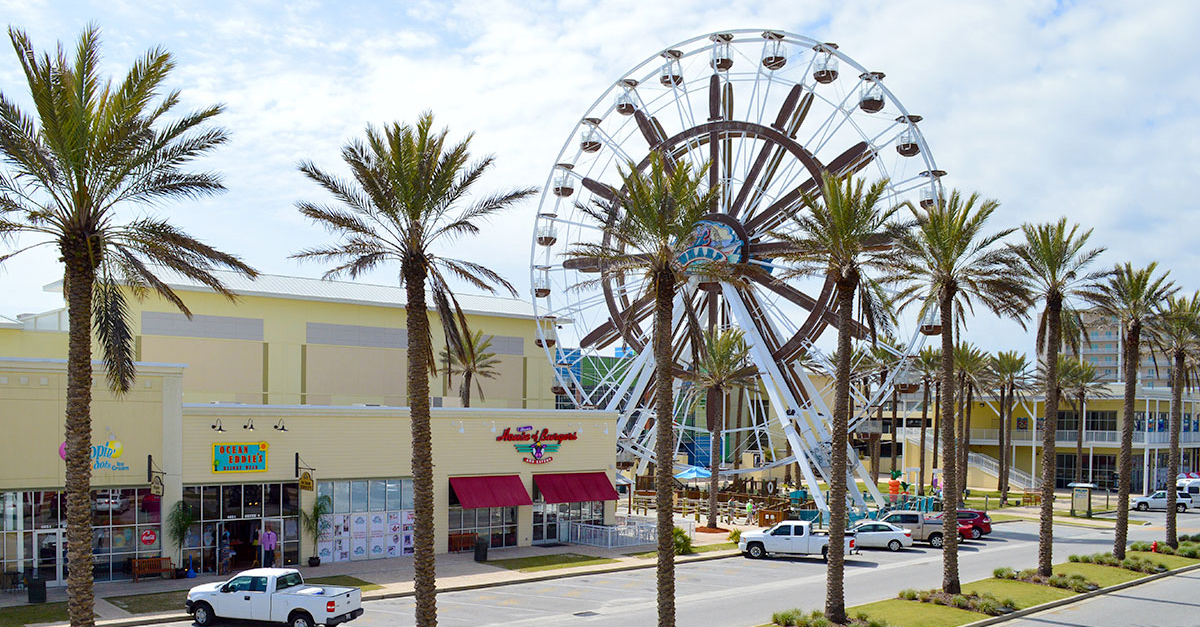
(276, 595)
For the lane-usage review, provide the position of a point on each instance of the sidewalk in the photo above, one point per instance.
(455, 571)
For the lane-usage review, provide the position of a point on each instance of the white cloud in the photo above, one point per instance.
(1082, 109)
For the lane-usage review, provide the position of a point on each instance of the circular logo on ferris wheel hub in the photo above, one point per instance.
(717, 239)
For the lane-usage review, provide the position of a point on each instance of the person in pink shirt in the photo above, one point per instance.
(269, 543)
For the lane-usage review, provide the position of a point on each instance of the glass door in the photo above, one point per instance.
(51, 560)
(271, 541)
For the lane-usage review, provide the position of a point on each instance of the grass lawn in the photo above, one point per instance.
(344, 580)
(899, 613)
(1005, 517)
(550, 562)
(1170, 561)
(28, 614)
(1024, 594)
(1103, 575)
(720, 546)
(157, 603)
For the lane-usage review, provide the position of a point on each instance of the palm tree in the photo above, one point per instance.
(972, 366)
(1131, 297)
(88, 150)
(1054, 260)
(1175, 333)
(838, 238)
(949, 262)
(927, 364)
(724, 363)
(650, 224)
(1082, 382)
(406, 197)
(471, 360)
(1010, 374)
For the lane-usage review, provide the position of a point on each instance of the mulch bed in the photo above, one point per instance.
(711, 530)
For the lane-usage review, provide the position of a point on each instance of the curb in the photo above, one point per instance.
(995, 620)
(155, 619)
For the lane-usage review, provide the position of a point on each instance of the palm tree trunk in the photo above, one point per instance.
(714, 456)
(965, 436)
(1008, 437)
(1003, 446)
(921, 450)
(876, 437)
(424, 577)
(895, 402)
(950, 582)
(1177, 382)
(465, 391)
(835, 594)
(1079, 439)
(738, 438)
(937, 423)
(1049, 418)
(664, 444)
(78, 281)
(1125, 461)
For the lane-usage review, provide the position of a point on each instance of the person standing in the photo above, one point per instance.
(269, 542)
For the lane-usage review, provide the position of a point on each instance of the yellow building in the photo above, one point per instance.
(1101, 440)
(298, 377)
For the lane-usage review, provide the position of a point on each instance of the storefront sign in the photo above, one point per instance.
(240, 457)
(149, 537)
(156, 485)
(535, 444)
(104, 456)
(306, 481)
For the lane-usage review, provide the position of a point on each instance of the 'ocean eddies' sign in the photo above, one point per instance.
(240, 457)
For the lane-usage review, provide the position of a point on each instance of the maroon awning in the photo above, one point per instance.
(493, 491)
(575, 487)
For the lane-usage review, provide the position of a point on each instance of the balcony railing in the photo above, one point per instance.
(1069, 436)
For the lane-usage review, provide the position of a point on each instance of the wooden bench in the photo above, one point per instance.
(461, 542)
(143, 566)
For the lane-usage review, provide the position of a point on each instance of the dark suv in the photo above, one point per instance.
(981, 524)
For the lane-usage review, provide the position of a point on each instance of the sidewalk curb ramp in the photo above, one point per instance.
(154, 619)
(995, 620)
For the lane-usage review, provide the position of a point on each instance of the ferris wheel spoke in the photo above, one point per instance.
(714, 114)
(652, 131)
(781, 123)
(609, 331)
(852, 160)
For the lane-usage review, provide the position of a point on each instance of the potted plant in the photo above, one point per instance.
(316, 524)
(179, 523)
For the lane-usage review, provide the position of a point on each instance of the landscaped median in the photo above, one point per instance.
(1008, 593)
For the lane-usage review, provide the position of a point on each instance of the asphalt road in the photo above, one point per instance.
(738, 592)
(1168, 602)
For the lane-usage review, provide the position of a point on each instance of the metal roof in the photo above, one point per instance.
(302, 288)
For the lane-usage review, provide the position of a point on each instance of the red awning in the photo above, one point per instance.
(575, 487)
(495, 491)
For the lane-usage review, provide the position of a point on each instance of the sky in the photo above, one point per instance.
(1083, 109)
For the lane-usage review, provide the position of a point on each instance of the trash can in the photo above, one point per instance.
(37, 588)
(481, 547)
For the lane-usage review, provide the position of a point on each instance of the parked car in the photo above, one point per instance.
(924, 527)
(115, 503)
(1158, 500)
(881, 535)
(277, 595)
(790, 537)
(1191, 487)
(981, 523)
(967, 531)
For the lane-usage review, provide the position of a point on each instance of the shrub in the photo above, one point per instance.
(1190, 552)
(960, 602)
(908, 594)
(683, 542)
(787, 618)
(861, 616)
(1004, 573)
(1027, 574)
(924, 595)
(818, 621)
(1079, 558)
(939, 599)
(1139, 546)
(735, 535)
(1009, 604)
(1059, 581)
(875, 622)
(991, 607)
(1166, 549)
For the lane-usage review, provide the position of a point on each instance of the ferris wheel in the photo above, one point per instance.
(769, 112)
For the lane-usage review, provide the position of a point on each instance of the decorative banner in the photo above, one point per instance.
(535, 443)
(240, 457)
(306, 481)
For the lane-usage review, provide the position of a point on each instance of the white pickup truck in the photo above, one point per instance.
(790, 537)
(277, 595)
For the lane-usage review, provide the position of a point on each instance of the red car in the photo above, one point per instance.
(966, 530)
(978, 523)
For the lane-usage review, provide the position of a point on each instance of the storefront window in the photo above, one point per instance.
(272, 499)
(127, 506)
(378, 490)
(497, 524)
(252, 501)
(394, 494)
(341, 496)
(149, 509)
(231, 501)
(45, 510)
(291, 499)
(212, 503)
(358, 496)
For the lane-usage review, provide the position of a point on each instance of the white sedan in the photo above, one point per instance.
(881, 535)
